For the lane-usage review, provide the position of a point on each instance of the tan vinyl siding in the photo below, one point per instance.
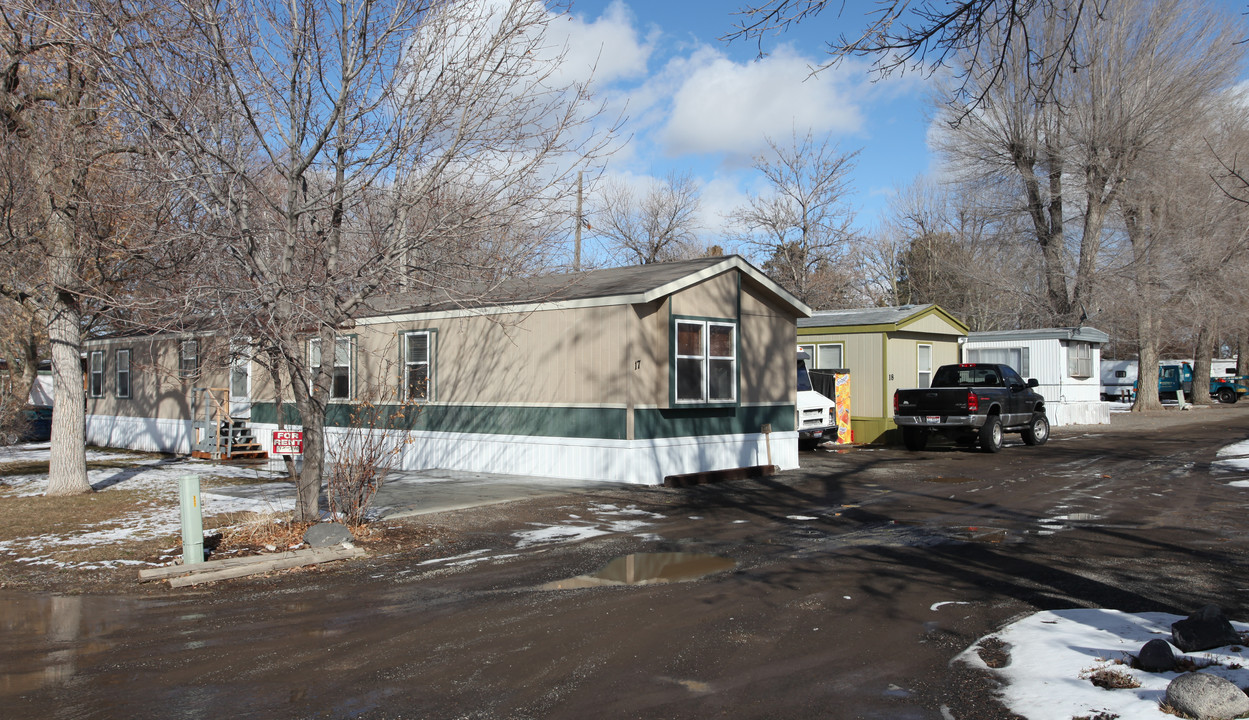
(932, 324)
(713, 298)
(863, 356)
(647, 364)
(548, 357)
(766, 334)
(156, 390)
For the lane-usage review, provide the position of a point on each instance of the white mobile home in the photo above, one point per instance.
(1065, 361)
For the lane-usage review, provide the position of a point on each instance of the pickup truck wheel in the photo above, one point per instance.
(1037, 432)
(914, 438)
(1227, 396)
(991, 435)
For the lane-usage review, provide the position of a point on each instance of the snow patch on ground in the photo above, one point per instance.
(1233, 458)
(1053, 655)
(160, 517)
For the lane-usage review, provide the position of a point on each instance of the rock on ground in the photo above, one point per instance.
(1203, 696)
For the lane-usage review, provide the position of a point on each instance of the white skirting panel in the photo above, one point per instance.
(1078, 413)
(644, 462)
(136, 433)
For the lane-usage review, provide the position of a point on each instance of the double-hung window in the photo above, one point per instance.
(1017, 358)
(706, 361)
(1080, 360)
(188, 359)
(417, 361)
(340, 371)
(923, 365)
(96, 388)
(123, 373)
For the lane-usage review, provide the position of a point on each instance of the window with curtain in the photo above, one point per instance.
(340, 372)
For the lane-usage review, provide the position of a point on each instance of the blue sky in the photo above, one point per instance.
(695, 103)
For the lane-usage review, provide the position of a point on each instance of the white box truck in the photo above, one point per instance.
(817, 414)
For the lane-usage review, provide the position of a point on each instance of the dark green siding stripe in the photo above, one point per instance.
(572, 422)
(651, 423)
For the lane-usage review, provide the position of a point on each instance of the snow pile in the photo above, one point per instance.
(1054, 657)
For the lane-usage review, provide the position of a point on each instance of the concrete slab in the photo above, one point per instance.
(417, 492)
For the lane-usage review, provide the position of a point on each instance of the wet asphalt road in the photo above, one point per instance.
(858, 579)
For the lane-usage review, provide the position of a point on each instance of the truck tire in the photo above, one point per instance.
(914, 438)
(1227, 396)
(991, 435)
(1037, 432)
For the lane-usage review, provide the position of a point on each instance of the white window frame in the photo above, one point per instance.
(122, 371)
(188, 370)
(841, 355)
(409, 365)
(1015, 357)
(95, 386)
(1080, 360)
(314, 346)
(923, 376)
(704, 361)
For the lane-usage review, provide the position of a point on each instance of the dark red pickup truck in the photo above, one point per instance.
(972, 403)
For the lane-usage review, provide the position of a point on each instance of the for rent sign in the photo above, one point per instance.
(288, 442)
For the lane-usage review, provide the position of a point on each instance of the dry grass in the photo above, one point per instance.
(246, 532)
(1113, 679)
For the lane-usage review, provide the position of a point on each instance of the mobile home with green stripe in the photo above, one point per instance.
(884, 349)
(626, 374)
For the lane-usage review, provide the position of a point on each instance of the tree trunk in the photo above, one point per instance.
(30, 368)
(67, 469)
(1144, 278)
(1202, 355)
(308, 485)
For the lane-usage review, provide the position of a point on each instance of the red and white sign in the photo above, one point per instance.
(288, 442)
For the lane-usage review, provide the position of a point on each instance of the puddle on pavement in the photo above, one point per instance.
(980, 534)
(647, 569)
(46, 635)
(950, 480)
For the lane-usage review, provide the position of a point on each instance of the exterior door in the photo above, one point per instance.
(240, 383)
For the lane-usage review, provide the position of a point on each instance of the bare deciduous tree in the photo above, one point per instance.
(802, 225)
(69, 202)
(656, 225)
(1144, 64)
(352, 149)
(974, 36)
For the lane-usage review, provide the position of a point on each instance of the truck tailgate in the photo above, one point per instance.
(933, 402)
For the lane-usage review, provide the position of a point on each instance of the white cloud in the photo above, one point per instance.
(608, 47)
(723, 106)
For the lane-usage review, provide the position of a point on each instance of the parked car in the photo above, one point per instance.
(972, 403)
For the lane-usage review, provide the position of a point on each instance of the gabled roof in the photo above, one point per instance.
(881, 318)
(1081, 334)
(610, 286)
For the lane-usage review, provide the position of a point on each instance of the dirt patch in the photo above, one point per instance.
(994, 652)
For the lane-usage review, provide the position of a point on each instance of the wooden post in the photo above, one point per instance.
(767, 439)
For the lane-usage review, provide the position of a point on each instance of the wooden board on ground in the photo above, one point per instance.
(183, 575)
